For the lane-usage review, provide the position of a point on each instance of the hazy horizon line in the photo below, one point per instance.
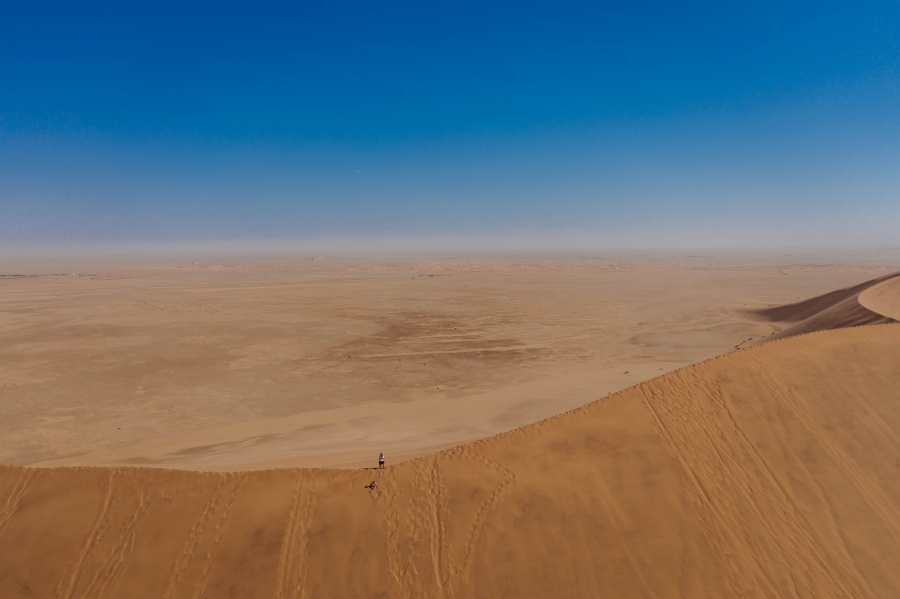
(445, 245)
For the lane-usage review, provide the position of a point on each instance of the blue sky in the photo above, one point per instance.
(632, 124)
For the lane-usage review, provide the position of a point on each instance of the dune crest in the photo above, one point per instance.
(767, 472)
(883, 298)
(834, 310)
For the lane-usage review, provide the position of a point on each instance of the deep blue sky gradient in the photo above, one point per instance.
(646, 123)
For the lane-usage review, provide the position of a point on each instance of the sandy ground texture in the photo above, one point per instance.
(883, 298)
(768, 472)
(219, 366)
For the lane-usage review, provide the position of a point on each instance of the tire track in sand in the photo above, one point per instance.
(292, 565)
(234, 484)
(427, 526)
(112, 564)
(764, 542)
(183, 563)
(65, 587)
(462, 573)
(428, 522)
(15, 496)
(871, 492)
(397, 571)
(108, 572)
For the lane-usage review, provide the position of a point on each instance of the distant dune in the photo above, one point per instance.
(834, 310)
(883, 298)
(767, 472)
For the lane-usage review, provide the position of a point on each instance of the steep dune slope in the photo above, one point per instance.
(883, 298)
(834, 310)
(768, 472)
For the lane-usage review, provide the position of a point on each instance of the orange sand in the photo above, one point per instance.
(768, 472)
(883, 298)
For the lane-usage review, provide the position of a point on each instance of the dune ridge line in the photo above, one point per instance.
(750, 474)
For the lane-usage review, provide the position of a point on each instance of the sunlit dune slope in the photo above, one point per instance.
(883, 298)
(834, 310)
(768, 472)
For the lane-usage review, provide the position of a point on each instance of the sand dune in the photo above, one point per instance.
(883, 298)
(767, 472)
(834, 310)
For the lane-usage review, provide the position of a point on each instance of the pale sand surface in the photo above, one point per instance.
(768, 472)
(327, 362)
(883, 298)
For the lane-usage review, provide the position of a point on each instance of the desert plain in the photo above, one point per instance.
(578, 427)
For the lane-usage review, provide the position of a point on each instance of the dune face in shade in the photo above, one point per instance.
(770, 472)
(837, 309)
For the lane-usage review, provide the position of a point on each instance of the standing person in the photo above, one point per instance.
(381, 460)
